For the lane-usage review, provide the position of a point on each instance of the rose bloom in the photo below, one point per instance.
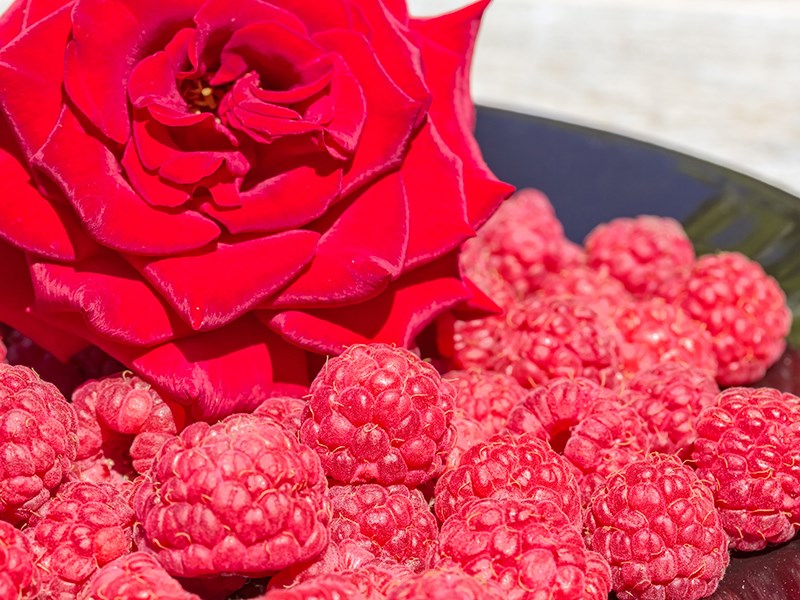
(214, 192)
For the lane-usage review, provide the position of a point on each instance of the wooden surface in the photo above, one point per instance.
(717, 78)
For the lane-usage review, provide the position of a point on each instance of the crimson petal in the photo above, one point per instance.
(220, 372)
(433, 179)
(447, 43)
(395, 317)
(106, 292)
(89, 176)
(149, 185)
(210, 289)
(31, 77)
(17, 298)
(99, 58)
(391, 115)
(361, 251)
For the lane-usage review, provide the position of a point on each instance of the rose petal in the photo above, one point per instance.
(99, 58)
(337, 14)
(447, 43)
(433, 179)
(31, 78)
(109, 295)
(155, 191)
(27, 219)
(220, 372)
(362, 249)
(89, 176)
(391, 115)
(12, 21)
(277, 204)
(210, 289)
(394, 317)
(17, 298)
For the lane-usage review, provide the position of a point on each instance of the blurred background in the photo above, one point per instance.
(719, 79)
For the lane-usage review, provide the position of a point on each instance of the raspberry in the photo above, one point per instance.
(641, 252)
(506, 467)
(16, 564)
(540, 339)
(445, 583)
(83, 527)
(37, 441)
(587, 424)
(669, 397)
(486, 396)
(379, 414)
(328, 586)
(743, 309)
(655, 523)
(529, 549)
(654, 331)
(135, 575)
(283, 409)
(240, 497)
(748, 449)
(520, 242)
(392, 523)
(121, 418)
(605, 292)
(468, 433)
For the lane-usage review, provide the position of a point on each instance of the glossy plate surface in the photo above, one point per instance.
(592, 176)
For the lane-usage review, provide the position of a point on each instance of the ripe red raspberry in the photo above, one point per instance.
(37, 441)
(669, 397)
(83, 527)
(521, 242)
(743, 309)
(393, 523)
(445, 582)
(135, 575)
(283, 409)
(379, 414)
(641, 252)
(122, 419)
(486, 396)
(529, 549)
(16, 564)
(654, 331)
(328, 586)
(240, 497)
(540, 339)
(509, 466)
(605, 292)
(748, 449)
(655, 523)
(587, 424)
(468, 433)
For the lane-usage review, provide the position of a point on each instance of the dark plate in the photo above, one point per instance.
(592, 176)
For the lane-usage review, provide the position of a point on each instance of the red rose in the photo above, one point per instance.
(212, 190)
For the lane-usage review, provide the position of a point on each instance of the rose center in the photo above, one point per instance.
(201, 96)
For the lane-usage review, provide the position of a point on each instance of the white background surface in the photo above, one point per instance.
(717, 78)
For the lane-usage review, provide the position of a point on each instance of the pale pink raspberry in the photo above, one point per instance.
(445, 582)
(393, 523)
(135, 575)
(83, 527)
(641, 252)
(655, 523)
(240, 497)
(581, 281)
(747, 450)
(379, 414)
(654, 331)
(529, 549)
(17, 572)
(122, 419)
(669, 397)
(468, 433)
(485, 396)
(37, 441)
(743, 309)
(509, 466)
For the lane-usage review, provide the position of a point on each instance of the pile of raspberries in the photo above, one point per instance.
(593, 435)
